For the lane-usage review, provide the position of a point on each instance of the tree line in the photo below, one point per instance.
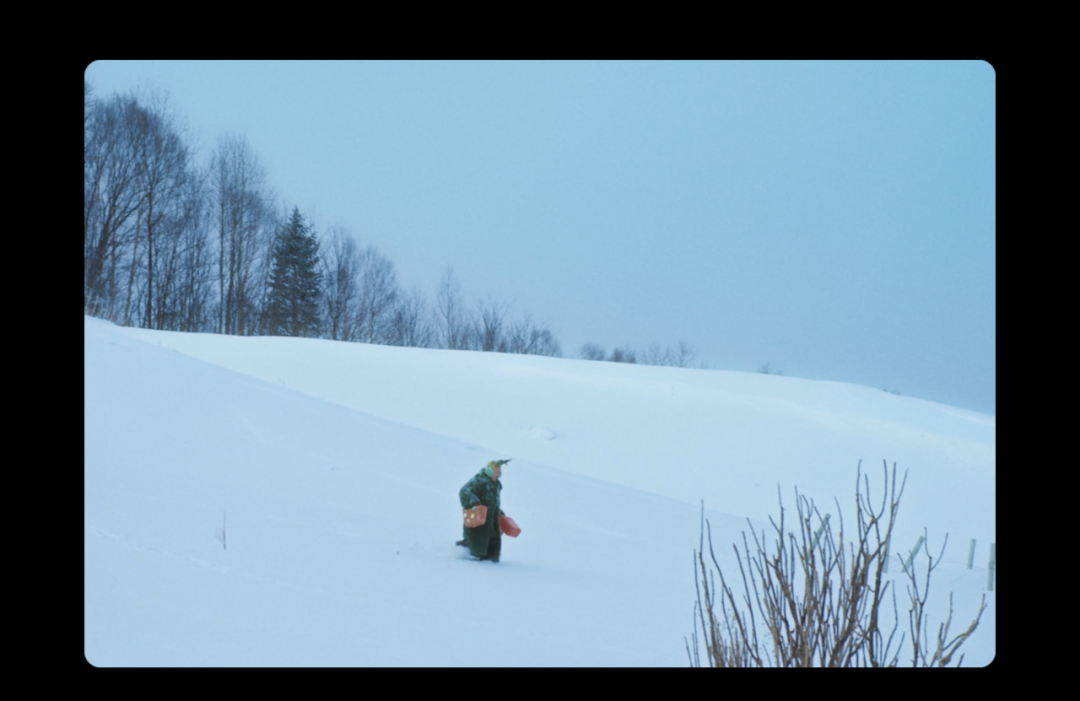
(171, 244)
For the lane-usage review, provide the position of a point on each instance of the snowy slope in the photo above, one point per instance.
(336, 467)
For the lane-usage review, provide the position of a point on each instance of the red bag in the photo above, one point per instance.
(507, 526)
(476, 516)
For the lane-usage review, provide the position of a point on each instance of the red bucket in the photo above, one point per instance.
(507, 526)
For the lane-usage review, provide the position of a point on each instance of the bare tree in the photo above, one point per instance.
(451, 316)
(194, 264)
(681, 356)
(492, 315)
(183, 265)
(143, 199)
(654, 355)
(111, 199)
(591, 351)
(543, 342)
(684, 355)
(376, 295)
(341, 270)
(519, 336)
(164, 171)
(531, 339)
(410, 321)
(245, 227)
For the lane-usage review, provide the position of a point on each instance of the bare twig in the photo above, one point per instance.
(220, 533)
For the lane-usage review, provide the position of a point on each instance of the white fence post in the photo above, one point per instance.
(990, 575)
(971, 553)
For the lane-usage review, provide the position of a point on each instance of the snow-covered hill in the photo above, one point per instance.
(333, 469)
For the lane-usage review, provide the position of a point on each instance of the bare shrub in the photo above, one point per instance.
(492, 320)
(655, 355)
(684, 354)
(591, 351)
(819, 604)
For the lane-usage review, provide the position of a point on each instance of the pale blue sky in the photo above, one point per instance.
(835, 219)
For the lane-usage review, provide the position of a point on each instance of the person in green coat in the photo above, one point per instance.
(484, 541)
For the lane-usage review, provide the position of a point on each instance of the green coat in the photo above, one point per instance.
(481, 489)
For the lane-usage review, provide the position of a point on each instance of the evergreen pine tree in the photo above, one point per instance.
(293, 305)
